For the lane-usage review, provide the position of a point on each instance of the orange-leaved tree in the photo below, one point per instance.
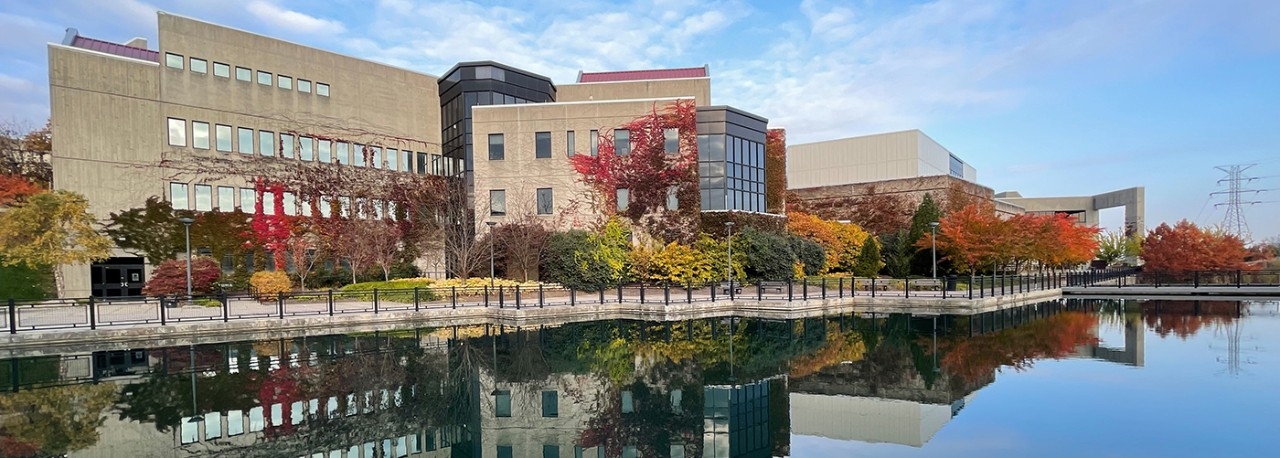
(1186, 247)
(841, 241)
(14, 188)
(973, 237)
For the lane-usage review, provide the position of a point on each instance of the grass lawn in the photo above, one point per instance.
(22, 282)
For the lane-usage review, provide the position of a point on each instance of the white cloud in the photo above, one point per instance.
(290, 20)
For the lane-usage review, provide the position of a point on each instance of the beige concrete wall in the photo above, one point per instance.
(853, 160)
(697, 88)
(520, 174)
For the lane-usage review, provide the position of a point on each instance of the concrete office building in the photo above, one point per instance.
(136, 120)
(1085, 208)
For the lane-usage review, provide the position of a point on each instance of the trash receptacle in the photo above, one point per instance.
(951, 282)
(170, 302)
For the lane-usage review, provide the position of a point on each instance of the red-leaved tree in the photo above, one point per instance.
(1186, 247)
(170, 277)
(14, 188)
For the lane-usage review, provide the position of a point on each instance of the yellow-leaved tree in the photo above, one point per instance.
(51, 228)
(841, 241)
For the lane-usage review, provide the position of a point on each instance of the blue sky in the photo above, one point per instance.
(1042, 97)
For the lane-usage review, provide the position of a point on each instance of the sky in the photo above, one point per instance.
(1047, 98)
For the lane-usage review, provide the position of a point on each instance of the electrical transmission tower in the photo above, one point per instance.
(1234, 221)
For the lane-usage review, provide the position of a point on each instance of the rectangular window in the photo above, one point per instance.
(244, 74)
(247, 199)
(502, 403)
(266, 143)
(544, 201)
(326, 206)
(422, 163)
(542, 145)
(628, 404)
(550, 451)
(290, 203)
(256, 421)
(304, 86)
(624, 198)
(322, 89)
(344, 206)
(177, 132)
(200, 134)
(178, 196)
(246, 140)
(342, 153)
(222, 137)
(325, 151)
(264, 78)
(671, 140)
(673, 198)
(595, 142)
(226, 198)
(568, 142)
(621, 142)
(190, 431)
(212, 425)
(375, 156)
(221, 70)
(497, 202)
(172, 60)
(393, 158)
(306, 148)
(199, 66)
(357, 155)
(284, 82)
(204, 197)
(550, 404)
(406, 157)
(286, 145)
(235, 422)
(268, 203)
(496, 147)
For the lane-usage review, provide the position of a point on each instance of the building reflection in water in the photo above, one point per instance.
(716, 387)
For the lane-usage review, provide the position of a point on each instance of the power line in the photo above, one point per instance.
(1234, 221)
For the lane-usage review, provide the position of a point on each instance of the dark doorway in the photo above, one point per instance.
(118, 277)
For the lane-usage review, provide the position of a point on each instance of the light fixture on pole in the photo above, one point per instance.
(186, 223)
(491, 224)
(933, 239)
(728, 272)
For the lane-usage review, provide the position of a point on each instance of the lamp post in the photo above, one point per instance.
(728, 272)
(186, 223)
(195, 414)
(933, 240)
(491, 224)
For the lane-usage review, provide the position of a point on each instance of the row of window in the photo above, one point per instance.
(545, 202)
(225, 198)
(247, 141)
(222, 70)
(542, 143)
(256, 418)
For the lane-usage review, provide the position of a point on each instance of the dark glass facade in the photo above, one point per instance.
(731, 159)
(469, 84)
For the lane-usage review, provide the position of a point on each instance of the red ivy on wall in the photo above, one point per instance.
(272, 231)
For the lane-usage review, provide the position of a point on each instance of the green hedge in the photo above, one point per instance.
(393, 290)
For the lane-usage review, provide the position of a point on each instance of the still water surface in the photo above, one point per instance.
(1063, 378)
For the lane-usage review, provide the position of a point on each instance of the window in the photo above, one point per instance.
(268, 203)
(545, 202)
(542, 145)
(322, 89)
(393, 156)
(286, 145)
(375, 156)
(243, 74)
(177, 132)
(325, 151)
(172, 60)
(226, 198)
(671, 140)
(221, 70)
(256, 422)
(504, 451)
(550, 404)
(212, 425)
(304, 86)
(190, 431)
(178, 196)
(357, 155)
(595, 142)
(624, 197)
(496, 147)
(621, 142)
(247, 199)
(235, 422)
(200, 134)
(628, 405)
(568, 142)
(264, 78)
(266, 143)
(222, 136)
(344, 206)
(406, 157)
(343, 157)
(306, 148)
(550, 451)
(497, 202)
(204, 197)
(245, 140)
(290, 203)
(199, 66)
(284, 82)
(673, 198)
(502, 403)
(422, 163)
(326, 206)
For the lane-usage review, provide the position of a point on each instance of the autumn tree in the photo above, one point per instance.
(840, 241)
(51, 229)
(1186, 247)
(170, 277)
(523, 242)
(25, 152)
(927, 212)
(972, 238)
(53, 421)
(15, 188)
(152, 230)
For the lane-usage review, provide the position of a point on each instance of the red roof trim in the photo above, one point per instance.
(638, 75)
(115, 49)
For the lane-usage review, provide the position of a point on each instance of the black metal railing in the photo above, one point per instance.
(95, 313)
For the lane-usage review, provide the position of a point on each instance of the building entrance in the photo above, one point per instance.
(118, 277)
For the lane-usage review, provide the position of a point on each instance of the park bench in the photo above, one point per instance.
(864, 284)
(932, 284)
(775, 286)
(724, 287)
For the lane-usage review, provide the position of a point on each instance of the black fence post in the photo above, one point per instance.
(453, 296)
(13, 316)
(1238, 275)
(226, 306)
(375, 301)
(517, 297)
(501, 298)
(873, 287)
(971, 285)
(759, 290)
(713, 291)
(688, 292)
(666, 293)
(601, 291)
(573, 297)
(804, 288)
(280, 302)
(906, 287)
(486, 295)
(416, 305)
(790, 289)
(330, 302)
(93, 315)
(824, 287)
(541, 301)
(732, 287)
(641, 293)
(163, 317)
(840, 287)
(619, 291)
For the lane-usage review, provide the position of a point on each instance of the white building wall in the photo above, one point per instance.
(934, 159)
(853, 160)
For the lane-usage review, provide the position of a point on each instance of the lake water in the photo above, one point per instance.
(1062, 378)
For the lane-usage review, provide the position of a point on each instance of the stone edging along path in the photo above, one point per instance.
(122, 338)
